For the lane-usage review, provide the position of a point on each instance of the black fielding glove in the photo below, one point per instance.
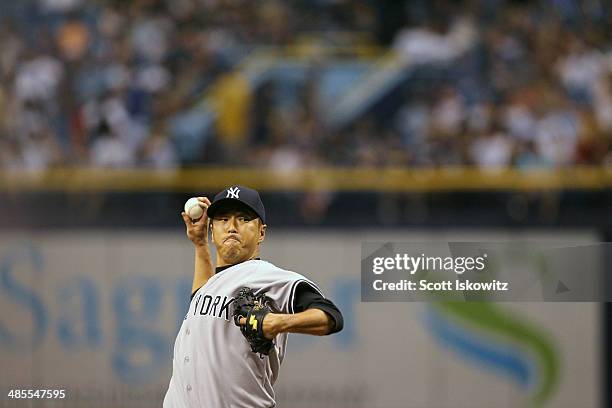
(254, 308)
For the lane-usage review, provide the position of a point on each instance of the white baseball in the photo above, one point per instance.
(193, 209)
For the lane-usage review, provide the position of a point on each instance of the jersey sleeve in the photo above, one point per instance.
(281, 286)
(307, 297)
(294, 293)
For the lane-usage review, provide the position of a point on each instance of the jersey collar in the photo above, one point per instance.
(222, 268)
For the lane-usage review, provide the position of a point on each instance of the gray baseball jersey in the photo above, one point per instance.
(213, 365)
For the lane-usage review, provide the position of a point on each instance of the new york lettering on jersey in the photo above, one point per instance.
(207, 305)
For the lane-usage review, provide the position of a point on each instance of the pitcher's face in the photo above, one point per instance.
(237, 233)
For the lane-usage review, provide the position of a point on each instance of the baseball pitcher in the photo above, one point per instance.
(232, 341)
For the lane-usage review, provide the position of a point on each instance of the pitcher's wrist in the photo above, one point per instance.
(201, 246)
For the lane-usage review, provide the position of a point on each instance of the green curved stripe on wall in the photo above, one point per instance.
(490, 317)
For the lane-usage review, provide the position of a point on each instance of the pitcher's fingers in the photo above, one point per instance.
(186, 218)
(205, 201)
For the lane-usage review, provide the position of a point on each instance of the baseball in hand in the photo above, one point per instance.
(193, 209)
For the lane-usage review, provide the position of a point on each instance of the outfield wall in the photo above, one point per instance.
(96, 313)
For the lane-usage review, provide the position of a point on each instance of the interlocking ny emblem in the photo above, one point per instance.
(232, 192)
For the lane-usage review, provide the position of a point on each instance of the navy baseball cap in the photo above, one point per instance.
(244, 195)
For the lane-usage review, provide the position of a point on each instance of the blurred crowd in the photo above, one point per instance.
(493, 83)
(99, 83)
(528, 86)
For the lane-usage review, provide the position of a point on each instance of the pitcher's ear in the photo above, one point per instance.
(262, 233)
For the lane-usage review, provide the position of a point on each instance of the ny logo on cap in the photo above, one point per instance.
(232, 192)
